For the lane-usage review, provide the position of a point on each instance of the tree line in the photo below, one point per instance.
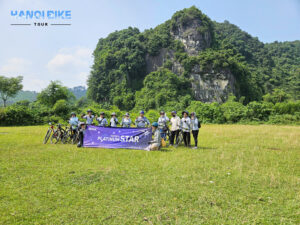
(56, 102)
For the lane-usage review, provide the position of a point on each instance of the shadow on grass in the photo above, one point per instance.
(165, 150)
(207, 148)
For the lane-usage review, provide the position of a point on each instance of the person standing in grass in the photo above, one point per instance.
(156, 142)
(81, 130)
(126, 121)
(142, 121)
(185, 125)
(195, 128)
(175, 126)
(89, 117)
(73, 122)
(102, 120)
(114, 120)
(162, 124)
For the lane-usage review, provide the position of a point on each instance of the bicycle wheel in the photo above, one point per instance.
(179, 139)
(61, 135)
(75, 138)
(168, 134)
(47, 136)
(55, 137)
(67, 137)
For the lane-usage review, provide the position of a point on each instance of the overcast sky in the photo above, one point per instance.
(41, 54)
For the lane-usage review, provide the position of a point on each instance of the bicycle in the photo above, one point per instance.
(75, 136)
(48, 134)
(179, 139)
(68, 135)
(57, 134)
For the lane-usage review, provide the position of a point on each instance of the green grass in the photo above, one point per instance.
(241, 174)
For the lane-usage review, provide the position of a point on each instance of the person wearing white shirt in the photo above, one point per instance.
(162, 124)
(175, 127)
(195, 128)
(185, 125)
(126, 121)
(102, 120)
(89, 117)
(114, 120)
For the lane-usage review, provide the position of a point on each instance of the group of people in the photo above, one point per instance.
(187, 124)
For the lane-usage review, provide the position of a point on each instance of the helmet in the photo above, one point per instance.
(73, 113)
(155, 124)
(142, 112)
(89, 110)
(113, 114)
(162, 112)
(185, 112)
(102, 113)
(127, 114)
(173, 112)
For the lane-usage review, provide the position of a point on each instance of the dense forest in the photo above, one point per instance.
(119, 74)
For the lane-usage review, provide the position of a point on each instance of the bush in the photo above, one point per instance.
(17, 115)
(285, 119)
(287, 107)
(233, 111)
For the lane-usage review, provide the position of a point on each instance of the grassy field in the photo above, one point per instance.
(240, 175)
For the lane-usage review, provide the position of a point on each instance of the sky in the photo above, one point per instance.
(42, 54)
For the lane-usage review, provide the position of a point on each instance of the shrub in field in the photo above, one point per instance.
(233, 111)
(17, 115)
(259, 111)
(287, 107)
(207, 112)
(285, 119)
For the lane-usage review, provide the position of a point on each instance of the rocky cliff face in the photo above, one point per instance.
(191, 36)
(212, 85)
(208, 86)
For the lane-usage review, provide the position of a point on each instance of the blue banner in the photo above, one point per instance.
(117, 137)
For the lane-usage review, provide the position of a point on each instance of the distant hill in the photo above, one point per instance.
(78, 91)
(22, 95)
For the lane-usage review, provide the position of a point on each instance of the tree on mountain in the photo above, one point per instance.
(9, 87)
(164, 90)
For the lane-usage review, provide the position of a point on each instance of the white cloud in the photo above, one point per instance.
(15, 67)
(22, 67)
(72, 65)
(69, 58)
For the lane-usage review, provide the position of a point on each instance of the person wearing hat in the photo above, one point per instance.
(126, 121)
(73, 122)
(185, 125)
(195, 128)
(89, 117)
(102, 120)
(114, 120)
(142, 121)
(162, 124)
(175, 126)
(156, 142)
(81, 133)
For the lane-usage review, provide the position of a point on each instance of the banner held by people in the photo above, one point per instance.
(116, 137)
